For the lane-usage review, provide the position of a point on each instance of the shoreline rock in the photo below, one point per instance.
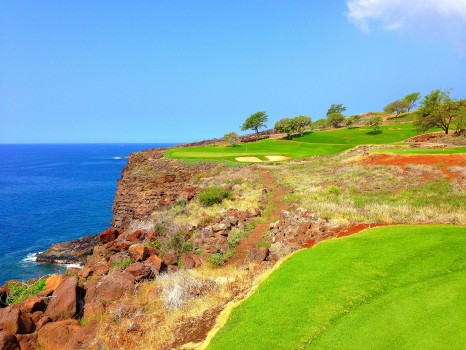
(70, 252)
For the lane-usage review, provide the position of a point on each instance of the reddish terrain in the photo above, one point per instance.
(444, 160)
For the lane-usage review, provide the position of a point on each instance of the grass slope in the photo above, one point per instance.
(398, 287)
(448, 150)
(259, 149)
(361, 135)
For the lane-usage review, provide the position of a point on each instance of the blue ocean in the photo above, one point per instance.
(52, 193)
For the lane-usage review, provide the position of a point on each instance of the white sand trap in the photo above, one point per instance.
(277, 158)
(249, 159)
(257, 160)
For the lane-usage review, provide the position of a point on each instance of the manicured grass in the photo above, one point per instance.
(361, 135)
(448, 150)
(397, 287)
(258, 149)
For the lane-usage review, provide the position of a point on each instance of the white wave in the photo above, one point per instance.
(120, 157)
(31, 257)
(79, 266)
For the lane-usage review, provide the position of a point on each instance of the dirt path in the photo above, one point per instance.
(249, 242)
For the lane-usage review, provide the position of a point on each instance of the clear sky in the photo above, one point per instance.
(178, 71)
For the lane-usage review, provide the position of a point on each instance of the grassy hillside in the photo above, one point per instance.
(399, 287)
(258, 149)
(361, 135)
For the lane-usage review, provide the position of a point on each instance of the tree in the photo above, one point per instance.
(349, 122)
(335, 119)
(284, 125)
(375, 123)
(301, 123)
(232, 138)
(255, 122)
(336, 108)
(397, 107)
(411, 100)
(319, 124)
(439, 110)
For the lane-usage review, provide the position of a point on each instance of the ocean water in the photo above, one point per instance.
(53, 193)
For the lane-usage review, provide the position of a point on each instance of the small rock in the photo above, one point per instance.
(154, 263)
(138, 252)
(109, 235)
(15, 321)
(139, 271)
(136, 236)
(27, 341)
(170, 257)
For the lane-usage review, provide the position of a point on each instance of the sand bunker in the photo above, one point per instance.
(248, 159)
(257, 160)
(277, 158)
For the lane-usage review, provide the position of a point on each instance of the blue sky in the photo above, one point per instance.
(178, 71)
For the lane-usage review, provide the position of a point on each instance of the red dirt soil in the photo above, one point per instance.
(447, 160)
(249, 242)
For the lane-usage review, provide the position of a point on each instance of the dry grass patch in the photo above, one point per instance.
(161, 312)
(351, 192)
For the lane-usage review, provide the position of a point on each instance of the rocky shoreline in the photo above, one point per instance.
(62, 314)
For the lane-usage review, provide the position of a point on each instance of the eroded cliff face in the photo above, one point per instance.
(149, 183)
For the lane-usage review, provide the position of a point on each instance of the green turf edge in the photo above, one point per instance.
(412, 255)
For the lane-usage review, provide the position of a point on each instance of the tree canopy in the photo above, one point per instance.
(411, 100)
(440, 110)
(255, 122)
(335, 119)
(232, 138)
(336, 108)
(292, 125)
(375, 123)
(397, 107)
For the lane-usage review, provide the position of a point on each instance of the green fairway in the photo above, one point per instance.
(448, 150)
(397, 287)
(258, 149)
(361, 135)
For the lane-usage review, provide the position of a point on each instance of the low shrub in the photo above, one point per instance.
(213, 195)
(122, 264)
(220, 258)
(265, 244)
(20, 290)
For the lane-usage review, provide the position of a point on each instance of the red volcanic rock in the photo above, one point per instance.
(58, 335)
(93, 270)
(139, 271)
(84, 338)
(136, 236)
(257, 254)
(40, 319)
(3, 295)
(109, 235)
(190, 260)
(32, 304)
(63, 303)
(27, 341)
(54, 281)
(8, 341)
(170, 257)
(15, 321)
(169, 178)
(111, 287)
(154, 263)
(138, 252)
(123, 245)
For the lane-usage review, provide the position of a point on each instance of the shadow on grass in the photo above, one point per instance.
(374, 132)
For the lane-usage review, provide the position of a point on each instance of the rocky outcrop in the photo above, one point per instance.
(70, 252)
(149, 183)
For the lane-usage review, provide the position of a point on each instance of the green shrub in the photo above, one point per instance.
(123, 264)
(263, 244)
(334, 190)
(213, 195)
(220, 258)
(20, 290)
